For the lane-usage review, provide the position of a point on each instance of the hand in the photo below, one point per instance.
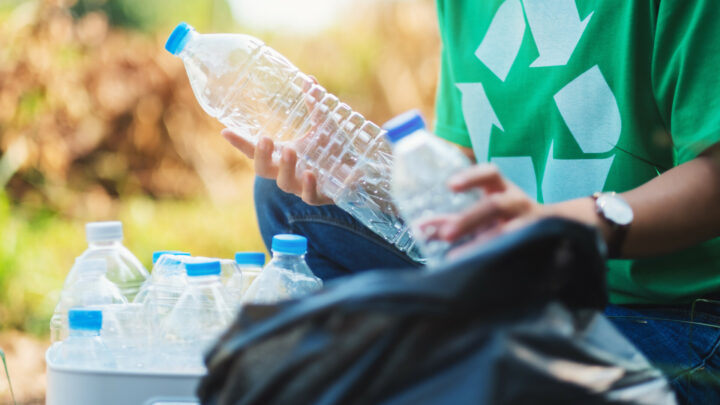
(503, 207)
(288, 177)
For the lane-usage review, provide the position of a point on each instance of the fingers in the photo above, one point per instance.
(430, 228)
(287, 180)
(486, 213)
(310, 193)
(284, 172)
(471, 246)
(264, 166)
(239, 142)
(305, 187)
(485, 176)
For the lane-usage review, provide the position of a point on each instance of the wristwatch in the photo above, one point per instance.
(615, 211)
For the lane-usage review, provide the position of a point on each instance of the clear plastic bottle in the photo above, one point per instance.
(423, 165)
(84, 348)
(162, 290)
(255, 91)
(201, 314)
(167, 270)
(250, 264)
(233, 279)
(286, 276)
(91, 288)
(126, 333)
(124, 269)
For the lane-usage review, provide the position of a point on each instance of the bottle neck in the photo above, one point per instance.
(84, 333)
(203, 280)
(279, 257)
(105, 243)
(250, 266)
(283, 254)
(187, 48)
(90, 275)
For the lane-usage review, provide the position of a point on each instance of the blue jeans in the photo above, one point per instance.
(684, 344)
(338, 245)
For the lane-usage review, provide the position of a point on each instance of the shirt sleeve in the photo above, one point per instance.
(685, 76)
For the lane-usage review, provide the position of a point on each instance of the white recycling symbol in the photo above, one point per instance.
(586, 104)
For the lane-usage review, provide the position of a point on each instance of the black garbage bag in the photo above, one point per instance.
(518, 322)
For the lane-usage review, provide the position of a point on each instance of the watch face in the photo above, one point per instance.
(616, 209)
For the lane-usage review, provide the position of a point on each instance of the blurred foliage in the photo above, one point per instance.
(98, 122)
(149, 15)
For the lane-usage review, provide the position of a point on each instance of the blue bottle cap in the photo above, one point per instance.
(403, 125)
(290, 244)
(158, 253)
(256, 258)
(198, 269)
(178, 38)
(85, 319)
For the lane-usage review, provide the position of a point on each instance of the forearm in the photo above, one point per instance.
(678, 209)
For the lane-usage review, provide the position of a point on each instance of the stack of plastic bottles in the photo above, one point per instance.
(114, 315)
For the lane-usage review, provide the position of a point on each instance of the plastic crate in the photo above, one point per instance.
(70, 386)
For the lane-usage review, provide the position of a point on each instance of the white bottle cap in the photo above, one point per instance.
(91, 266)
(103, 231)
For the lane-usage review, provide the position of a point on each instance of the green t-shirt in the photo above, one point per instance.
(571, 97)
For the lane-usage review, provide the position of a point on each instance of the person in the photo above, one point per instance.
(559, 100)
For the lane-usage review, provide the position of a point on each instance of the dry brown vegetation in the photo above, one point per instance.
(89, 113)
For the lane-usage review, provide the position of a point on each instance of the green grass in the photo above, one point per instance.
(38, 247)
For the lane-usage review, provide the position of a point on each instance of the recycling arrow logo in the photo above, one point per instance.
(587, 104)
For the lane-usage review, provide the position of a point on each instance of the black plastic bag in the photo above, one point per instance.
(518, 322)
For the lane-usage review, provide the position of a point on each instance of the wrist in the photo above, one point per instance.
(581, 210)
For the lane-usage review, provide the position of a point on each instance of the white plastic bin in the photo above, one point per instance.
(70, 386)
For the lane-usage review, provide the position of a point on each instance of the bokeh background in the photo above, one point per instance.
(98, 122)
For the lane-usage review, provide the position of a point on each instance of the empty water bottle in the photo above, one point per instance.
(167, 270)
(255, 91)
(162, 290)
(250, 264)
(124, 269)
(201, 314)
(233, 280)
(84, 348)
(126, 333)
(90, 288)
(286, 276)
(423, 165)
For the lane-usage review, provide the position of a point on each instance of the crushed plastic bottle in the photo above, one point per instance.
(84, 348)
(124, 269)
(286, 276)
(255, 91)
(423, 165)
(91, 288)
(201, 314)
